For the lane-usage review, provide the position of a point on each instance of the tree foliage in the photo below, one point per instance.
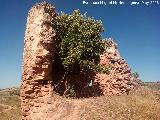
(79, 48)
(80, 40)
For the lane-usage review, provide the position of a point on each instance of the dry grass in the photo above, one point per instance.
(142, 104)
(9, 108)
(1, 108)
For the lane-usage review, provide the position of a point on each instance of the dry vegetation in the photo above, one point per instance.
(142, 104)
(9, 105)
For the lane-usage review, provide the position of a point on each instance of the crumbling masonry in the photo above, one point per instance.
(39, 48)
(119, 80)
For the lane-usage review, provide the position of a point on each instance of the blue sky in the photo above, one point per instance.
(136, 29)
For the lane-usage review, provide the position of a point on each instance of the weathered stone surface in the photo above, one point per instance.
(118, 81)
(39, 48)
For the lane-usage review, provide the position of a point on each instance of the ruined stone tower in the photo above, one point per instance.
(38, 57)
(39, 48)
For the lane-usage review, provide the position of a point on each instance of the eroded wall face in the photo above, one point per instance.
(118, 81)
(39, 48)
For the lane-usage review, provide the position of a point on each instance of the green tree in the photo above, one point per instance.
(80, 40)
(80, 45)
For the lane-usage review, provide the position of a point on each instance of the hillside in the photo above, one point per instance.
(153, 85)
(143, 104)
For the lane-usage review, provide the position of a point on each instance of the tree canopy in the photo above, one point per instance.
(80, 40)
(80, 44)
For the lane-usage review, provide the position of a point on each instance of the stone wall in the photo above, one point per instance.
(39, 48)
(118, 81)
